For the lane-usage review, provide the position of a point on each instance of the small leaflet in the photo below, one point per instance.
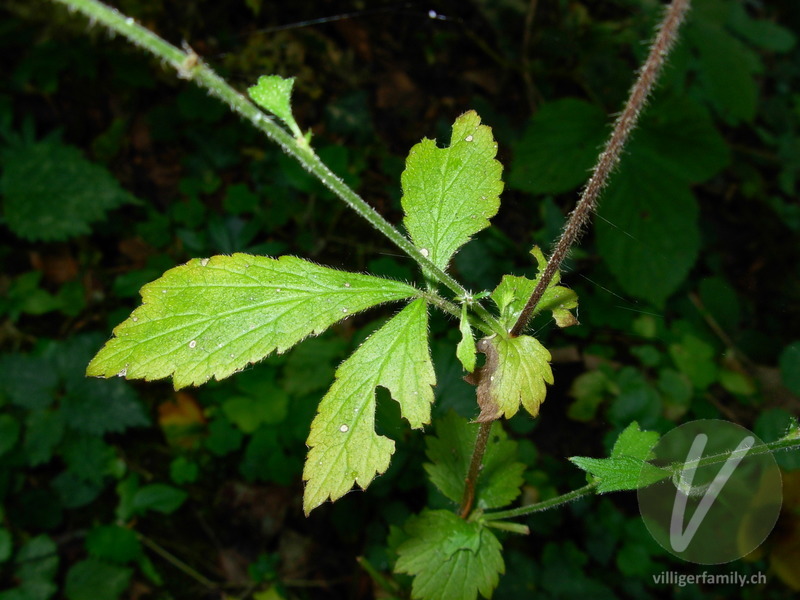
(273, 93)
(465, 351)
(627, 468)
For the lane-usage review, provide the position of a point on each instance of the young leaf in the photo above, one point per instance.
(449, 557)
(515, 372)
(465, 350)
(344, 448)
(213, 317)
(450, 452)
(52, 193)
(449, 194)
(627, 468)
(513, 292)
(273, 93)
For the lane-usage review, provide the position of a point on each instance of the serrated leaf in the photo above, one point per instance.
(634, 442)
(449, 194)
(465, 350)
(450, 452)
(213, 317)
(274, 94)
(559, 147)
(52, 193)
(449, 557)
(627, 468)
(344, 448)
(515, 373)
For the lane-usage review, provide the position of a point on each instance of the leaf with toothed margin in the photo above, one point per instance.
(513, 292)
(449, 557)
(344, 447)
(515, 372)
(449, 194)
(273, 93)
(214, 316)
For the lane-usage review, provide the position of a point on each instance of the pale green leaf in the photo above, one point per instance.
(273, 93)
(465, 350)
(449, 194)
(52, 193)
(450, 452)
(213, 317)
(515, 373)
(344, 447)
(449, 557)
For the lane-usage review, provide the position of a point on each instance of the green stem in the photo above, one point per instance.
(787, 443)
(176, 562)
(544, 505)
(188, 66)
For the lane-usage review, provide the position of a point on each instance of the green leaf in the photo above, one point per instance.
(727, 71)
(450, 453)
(274, 94)
(449, 194)
(9, 433)
(93, 579)
(158, 497)
(99, 407)
(559, 147)
(449, 557)
(6, 544)
(113, 543)
(635, 443)
(790, 367)
(53, 193)
(648, 232)
(627, 468)
(677, 140)
(465, 350)
(695, 359)
(513, 292)
(213, 317)
(344, 448)
(515, 373)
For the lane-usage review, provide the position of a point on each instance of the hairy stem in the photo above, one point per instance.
(189, 66)
(666, 35)
(474, 469)
(544, 505)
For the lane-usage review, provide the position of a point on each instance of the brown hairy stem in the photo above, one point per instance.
(474, 469)
(667, 33)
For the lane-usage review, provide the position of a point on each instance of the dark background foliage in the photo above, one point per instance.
(689, 285)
